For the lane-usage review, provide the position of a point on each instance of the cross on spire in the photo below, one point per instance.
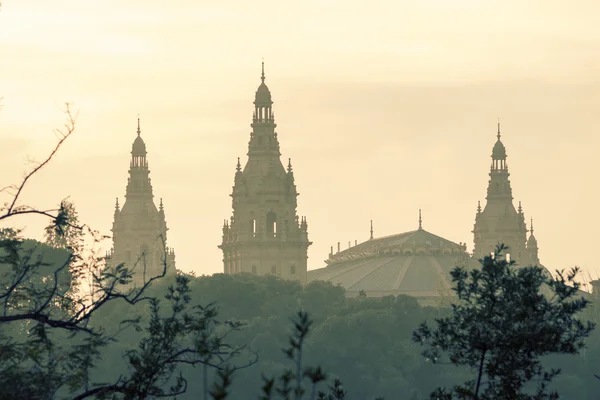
(262, 75)
(138, 129)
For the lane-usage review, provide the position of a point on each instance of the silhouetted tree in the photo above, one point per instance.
(50, 340)
(64, 231)
(502, 324)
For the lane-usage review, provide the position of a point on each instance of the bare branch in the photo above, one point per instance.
(64, 135)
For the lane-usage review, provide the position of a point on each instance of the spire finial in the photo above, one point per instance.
(531, 230)
(520, 208)
(139, 130)
(262, 75)
(478, 206)
(238, 167)
(420, 220)
(498, 128)
(117, 204)
(371, 229)
(289, 165)
(161, 207)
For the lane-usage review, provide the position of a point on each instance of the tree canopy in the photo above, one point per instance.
(505, 320)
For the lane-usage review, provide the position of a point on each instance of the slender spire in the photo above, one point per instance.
(371, 229)
(161, 207)
(262, 75)
(289, 168)
(139, 131)
(478, 206)
(117, 205)
(238, 167)
(420, 220)
(531, 230)
(520, 208)
(498, 128)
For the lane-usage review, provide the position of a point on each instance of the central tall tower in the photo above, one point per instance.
(499, 221)
(265, 234)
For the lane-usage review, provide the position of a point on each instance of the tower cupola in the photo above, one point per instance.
(499, 153)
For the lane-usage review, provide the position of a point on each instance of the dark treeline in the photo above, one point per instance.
(366, 342)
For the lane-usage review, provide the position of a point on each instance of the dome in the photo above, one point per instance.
(139, 147)
(499, 152)
(416, 263)
(263, 95)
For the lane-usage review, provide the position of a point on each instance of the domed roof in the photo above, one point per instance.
(263, 95)
(139, 147)
(499, 151)
(416, 263)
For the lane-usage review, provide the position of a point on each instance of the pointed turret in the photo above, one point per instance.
(532, 247)
(138, 185)
(139, 228)
(265, 234)
(499, 221)
(263, 139)
(499, 151)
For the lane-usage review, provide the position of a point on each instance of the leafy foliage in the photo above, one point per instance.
(501, 326)
(290, 384)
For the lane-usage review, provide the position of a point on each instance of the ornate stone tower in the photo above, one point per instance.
(265, 235)
(139, 229)
(500, 222)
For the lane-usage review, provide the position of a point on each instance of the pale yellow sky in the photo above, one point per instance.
(385, 107)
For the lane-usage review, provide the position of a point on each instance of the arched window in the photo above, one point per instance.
(271, 224)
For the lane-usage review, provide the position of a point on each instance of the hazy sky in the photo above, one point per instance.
(385, 107)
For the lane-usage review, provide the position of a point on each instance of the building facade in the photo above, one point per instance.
(265, 235)
(139, 228)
